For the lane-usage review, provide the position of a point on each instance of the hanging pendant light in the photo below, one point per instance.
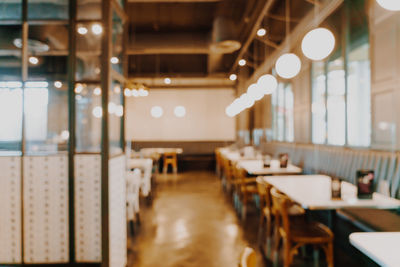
(288, 65)
(317, 44)
(255, 91)
(267, 83)
(392, 5)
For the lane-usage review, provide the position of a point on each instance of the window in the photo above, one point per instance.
(341, 108)
(282, 112)
(318, 108)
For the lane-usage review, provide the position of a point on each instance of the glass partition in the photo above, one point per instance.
(10, 87)
(11, 10)
(88, 46)
(318, 107)
(47, 10)
(117, 35)
(88, 117)
(115, 112)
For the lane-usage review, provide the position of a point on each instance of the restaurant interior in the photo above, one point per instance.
(199, 133)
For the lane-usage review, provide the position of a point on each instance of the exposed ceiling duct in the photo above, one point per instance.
(224, 36)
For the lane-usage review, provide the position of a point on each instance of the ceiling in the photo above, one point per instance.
(175, 37)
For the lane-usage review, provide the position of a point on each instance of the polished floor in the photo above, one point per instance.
(190, 223)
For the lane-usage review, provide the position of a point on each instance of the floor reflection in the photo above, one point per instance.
(190, 223)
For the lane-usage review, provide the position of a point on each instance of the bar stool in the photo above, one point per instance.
(170, 159)
(300, 234)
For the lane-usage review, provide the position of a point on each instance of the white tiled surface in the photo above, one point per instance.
(45, 209)
(314, 192)
(117, 210)
(382, 247)
(88, 208)
(10, 210)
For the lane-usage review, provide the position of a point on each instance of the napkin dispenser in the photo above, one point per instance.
(336, 188)
(365, 182)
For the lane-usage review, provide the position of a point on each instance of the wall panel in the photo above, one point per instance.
(10, 210)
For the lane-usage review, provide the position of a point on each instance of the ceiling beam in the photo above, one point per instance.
(259, 14)
(186, 82)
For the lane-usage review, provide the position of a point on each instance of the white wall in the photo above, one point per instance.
(205, 116)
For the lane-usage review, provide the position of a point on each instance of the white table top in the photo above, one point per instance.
(256, 167)
(314, 192)
(140, 163)
(382, 247)
(161, 150)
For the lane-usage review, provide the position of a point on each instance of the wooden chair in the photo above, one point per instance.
(248, 258)
(297, 235)
(228, 175)
(246, 188)
(267, 214)
(170, 159)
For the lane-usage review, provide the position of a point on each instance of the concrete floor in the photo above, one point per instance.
(190, 222)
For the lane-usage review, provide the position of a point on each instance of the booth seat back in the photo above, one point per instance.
(343, 162)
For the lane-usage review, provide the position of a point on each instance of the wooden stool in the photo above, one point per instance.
(297, 235)
(248, 258)
(170, 159)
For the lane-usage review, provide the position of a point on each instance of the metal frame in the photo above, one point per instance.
(105, 81)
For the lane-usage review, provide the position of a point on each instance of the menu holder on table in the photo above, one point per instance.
(365, 181)
(283, 159)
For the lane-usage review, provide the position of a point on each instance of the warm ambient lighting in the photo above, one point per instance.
(242, 62)
(261, 32)
(267, 83)
(156, 112)
(97, 91)
(317, 44)
(180, 111)
(127, 92)
(57, 84)
(33, 60)
(97, 29)
(97, 112)
(255, 91)
(167, 81)
(233, 77)
(288, 65)
(135, 93)
(78, 88)
(392, 5)
(114, 60)
(82, 30)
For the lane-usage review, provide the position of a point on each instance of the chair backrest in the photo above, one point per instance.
(248, 258)
(280, 204)
(169, 155)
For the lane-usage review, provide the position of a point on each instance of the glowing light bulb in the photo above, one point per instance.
(317, 44)
(33, 60)
(57, 84)
(261, 32)
(233, 77)
(167, 81)
(267, 83)
(97, 29)
(180, 111)
(156, 112)
(242, 62)
(82, 30)
(288, 65)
